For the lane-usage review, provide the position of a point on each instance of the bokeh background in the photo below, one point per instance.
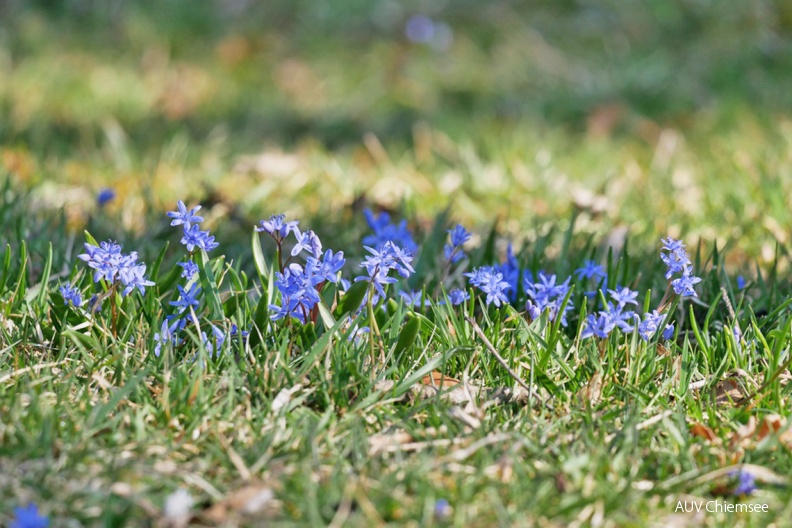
(641, 117)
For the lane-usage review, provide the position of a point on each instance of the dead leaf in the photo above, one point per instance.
(704, 431)
(729, 391)
(592, 391)
(438, 379)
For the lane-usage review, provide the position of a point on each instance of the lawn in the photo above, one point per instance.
(483, 316)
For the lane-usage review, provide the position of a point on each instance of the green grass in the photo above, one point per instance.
(570, 144)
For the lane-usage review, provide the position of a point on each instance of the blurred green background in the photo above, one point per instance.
(647, 117)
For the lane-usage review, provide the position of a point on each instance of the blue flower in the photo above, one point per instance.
(326, 269)
(459, 235)
(740, 282)
(623, 319)
(510, 269)
(104, 258)
(651, 322)
(547, 295)
(213, 345)
(442, 510)
(28, 517)
(112, 265)
(194, 237)
(187, 298)
(683, 286)
(385, 231)
(298, 295)
(672, 245)
(413, 298)
(277, 228)
(71, 295)
(746, 483)
(453, 252)
(599, 326)
(458, 296)
(490, 282)
(307, 241)
(668, 333)
(677, 261)
(184, 217)
(590, 270)
(381, 261)
(532, 310)
(624, 296)
(604, 322)
(105, 196)
(134, 277)
(164, 337)
(190, 269)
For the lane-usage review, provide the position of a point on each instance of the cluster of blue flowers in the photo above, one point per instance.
(113, 266)
(490, 281)
(391, 250)
(28, 517)
(193, 237)
(300, 285)
(189, 300)
(615, 315)
(385, 231)
(600, 325)
(71, 295)
(388, 257)
(453, 250)
(677, 262)
(546, 295)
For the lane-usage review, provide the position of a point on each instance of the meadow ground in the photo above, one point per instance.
(574, 133)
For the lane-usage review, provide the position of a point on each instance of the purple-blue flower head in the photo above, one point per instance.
(651, 322)
(413, 298)
(325, 270)
(298, 294)
(388, 257)
(104, 258)
(165, 337)
(195, 238)
(112, 265)
(677, 261)
(624, 296)
(183, 216)
(599, 325)
(453, 251)
(307, 241)
(603, 323)
(547, 295)
(277, 228)
(532, 310)
(458, 296)
(385, 231)
(190, 269)
(683, 286)
(746, 483)
(590, 270)
(71, 295)
(134, 277)
(105, 196)
(28, 517)
(213, 345)
(187, 298)
(491, 282)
